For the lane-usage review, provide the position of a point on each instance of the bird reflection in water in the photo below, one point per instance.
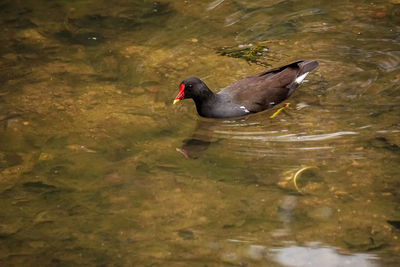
(201, 139)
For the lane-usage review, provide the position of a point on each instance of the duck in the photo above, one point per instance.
(249, 95)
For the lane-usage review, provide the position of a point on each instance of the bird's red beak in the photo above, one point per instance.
(181, 93)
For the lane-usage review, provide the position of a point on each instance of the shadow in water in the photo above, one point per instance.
(201, 138)
(209, 131)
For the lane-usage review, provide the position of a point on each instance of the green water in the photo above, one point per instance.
(98, 168)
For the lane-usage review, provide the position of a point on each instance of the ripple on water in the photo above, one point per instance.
(267, 137)
(321, 256)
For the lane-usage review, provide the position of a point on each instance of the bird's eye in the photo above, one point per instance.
(190, 86)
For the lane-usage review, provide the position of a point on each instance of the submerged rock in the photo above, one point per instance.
(7, 230)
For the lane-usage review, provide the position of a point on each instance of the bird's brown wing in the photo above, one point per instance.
(266, 89)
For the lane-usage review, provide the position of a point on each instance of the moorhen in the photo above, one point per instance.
(248, 95)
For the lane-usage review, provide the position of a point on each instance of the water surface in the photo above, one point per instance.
(98, 168)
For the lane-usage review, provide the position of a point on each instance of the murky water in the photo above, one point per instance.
(98, 168)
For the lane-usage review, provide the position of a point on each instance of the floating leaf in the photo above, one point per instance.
(250, 53)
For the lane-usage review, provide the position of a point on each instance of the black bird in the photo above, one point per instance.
(248, 95)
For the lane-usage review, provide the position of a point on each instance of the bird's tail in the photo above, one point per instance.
(307, 66)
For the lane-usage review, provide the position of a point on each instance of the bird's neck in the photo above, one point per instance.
(204, 99)
(204, 95)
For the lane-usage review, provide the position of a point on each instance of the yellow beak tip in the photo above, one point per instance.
(176, 101)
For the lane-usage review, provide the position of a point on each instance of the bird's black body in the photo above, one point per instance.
(249, 95)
